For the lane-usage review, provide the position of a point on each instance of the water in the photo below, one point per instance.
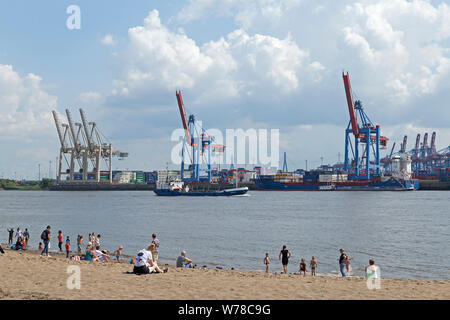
(407, 233)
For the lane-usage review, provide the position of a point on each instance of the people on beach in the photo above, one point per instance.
(26, 236)
(347, 265)
(372, 271)
(97, 240)
(267, 262)
(60, 240)
(67, 247)
(80, 244)
(183, 261)
(1, 249)
(144, 262)
(342, 262)
(45, 236)
(40, 247)
(10, 236)
(302, 267)
(313, 265)
(20, 244)
(118, 254)
(155, 241)
(284, 256)
(101, 255)
(90, 255)
(19, 233)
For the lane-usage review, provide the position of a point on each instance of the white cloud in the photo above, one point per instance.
(91, 98)
(25, 107)
(108, 40)
(236, 66)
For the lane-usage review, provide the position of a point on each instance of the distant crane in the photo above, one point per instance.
(366, 136)
(83, 143)
(198, 143)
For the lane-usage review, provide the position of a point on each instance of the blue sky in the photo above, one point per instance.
(241, 64)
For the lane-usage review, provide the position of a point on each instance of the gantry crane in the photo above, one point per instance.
(196, 143)
(83, 143)
(366, 136)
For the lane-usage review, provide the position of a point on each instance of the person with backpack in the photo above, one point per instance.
(45, 236)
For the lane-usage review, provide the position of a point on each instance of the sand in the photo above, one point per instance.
(26, 275)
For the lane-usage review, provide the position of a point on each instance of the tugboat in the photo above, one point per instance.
(179, 188)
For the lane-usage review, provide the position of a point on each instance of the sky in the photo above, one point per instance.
(260, 64)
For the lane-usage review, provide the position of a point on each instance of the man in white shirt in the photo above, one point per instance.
(144, 262)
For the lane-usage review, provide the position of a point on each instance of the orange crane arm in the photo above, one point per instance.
(183, 118)
(351, 108)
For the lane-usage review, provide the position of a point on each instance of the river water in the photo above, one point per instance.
(407, 233)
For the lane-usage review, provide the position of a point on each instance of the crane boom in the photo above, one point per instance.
(183, 118)
(417, 142)
(433, 143)
(72, 130)
(392, 150)
(403, 149)
(59, 129)
(351, 105)
(86, 129)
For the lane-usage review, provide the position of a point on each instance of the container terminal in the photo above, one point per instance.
(85, 161)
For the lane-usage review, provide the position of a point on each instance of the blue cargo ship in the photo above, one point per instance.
(375, 184)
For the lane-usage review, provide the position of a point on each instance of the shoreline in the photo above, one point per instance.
(26, 275)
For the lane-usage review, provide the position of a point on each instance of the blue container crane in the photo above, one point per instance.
(198, 142)
(366, 135)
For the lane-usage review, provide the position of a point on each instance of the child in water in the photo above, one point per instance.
(118, 254)
(302, 267)
(313, 265)
(267, 262)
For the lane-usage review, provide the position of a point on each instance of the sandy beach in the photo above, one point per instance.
(26, 275)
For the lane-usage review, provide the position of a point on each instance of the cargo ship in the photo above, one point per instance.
(314, 181)
(180, 188)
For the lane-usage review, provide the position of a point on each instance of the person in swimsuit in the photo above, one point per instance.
(80, 244)
(286, 254)
(118, 254)
(267, 262)
(302, 267)
(313, 265)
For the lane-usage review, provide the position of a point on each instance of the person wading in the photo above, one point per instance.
(284, 256)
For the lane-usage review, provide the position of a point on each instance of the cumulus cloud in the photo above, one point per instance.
(238, 65)
(24, 106)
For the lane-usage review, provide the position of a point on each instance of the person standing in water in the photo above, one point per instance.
(342, 262)
(267, 262)
(284, 256)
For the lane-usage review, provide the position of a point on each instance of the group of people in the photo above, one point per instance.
(285, 255)
(22, 238)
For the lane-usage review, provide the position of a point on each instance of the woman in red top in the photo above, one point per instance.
(60, 240)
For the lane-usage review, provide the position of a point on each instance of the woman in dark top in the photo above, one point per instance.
(284, 257)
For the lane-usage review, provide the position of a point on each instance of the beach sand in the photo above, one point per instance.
(26, 275)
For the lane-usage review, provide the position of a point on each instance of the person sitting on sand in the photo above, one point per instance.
(183, 261)
(313, 265)
(20, 244)
(101, 255)
(90, 254)
(118, 254)
(40, 247)
(144, 262)
(1, 249)
(267, 262)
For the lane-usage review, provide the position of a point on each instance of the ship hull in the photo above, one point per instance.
(389, 185)
(222, 193)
